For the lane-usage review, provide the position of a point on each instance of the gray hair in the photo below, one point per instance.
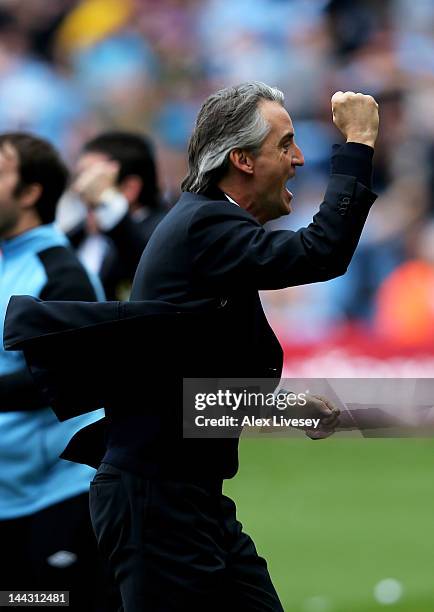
(229, 119)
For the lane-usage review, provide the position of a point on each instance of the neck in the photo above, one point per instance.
(23, 225)
(244, 197)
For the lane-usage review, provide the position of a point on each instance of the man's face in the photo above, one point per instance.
(10, 210)
(275, 163)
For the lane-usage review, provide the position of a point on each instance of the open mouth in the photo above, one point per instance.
(287, 197)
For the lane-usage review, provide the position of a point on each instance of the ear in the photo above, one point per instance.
(30, 195)
(242, 160)
(131, 187)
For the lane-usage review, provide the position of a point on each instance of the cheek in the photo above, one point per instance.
(283, 170)
(271, 171)
(3, 188)
(7, 189)
(286, 162)
(7, 184)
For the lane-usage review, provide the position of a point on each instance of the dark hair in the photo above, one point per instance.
(135, 155)
(38, 162)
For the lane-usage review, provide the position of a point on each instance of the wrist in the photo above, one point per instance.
(363, 138)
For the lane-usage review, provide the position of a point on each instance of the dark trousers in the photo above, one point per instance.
(54, 550)
(176, 547)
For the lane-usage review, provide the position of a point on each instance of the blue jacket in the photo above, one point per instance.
(41, 264)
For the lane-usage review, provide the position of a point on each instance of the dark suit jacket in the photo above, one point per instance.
(207, 252)
(209, 249)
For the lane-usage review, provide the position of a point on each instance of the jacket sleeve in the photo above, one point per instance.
(67, 281)
(230, 250)
(18, 392)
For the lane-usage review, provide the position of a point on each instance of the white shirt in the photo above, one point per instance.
(231, 200)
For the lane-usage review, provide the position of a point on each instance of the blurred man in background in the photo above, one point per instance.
(116, 180)
(46, 537)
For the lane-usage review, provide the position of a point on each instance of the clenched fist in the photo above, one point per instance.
(328, 414)
(356, 116)
(316, 407)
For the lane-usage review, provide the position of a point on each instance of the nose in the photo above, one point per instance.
(298, 157)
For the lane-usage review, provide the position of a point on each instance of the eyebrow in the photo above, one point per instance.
(286, 136)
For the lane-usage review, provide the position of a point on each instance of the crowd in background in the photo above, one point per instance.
(72, 68)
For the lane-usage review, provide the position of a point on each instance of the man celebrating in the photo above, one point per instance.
(172, 538)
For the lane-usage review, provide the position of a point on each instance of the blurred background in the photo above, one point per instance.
(72, 68)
